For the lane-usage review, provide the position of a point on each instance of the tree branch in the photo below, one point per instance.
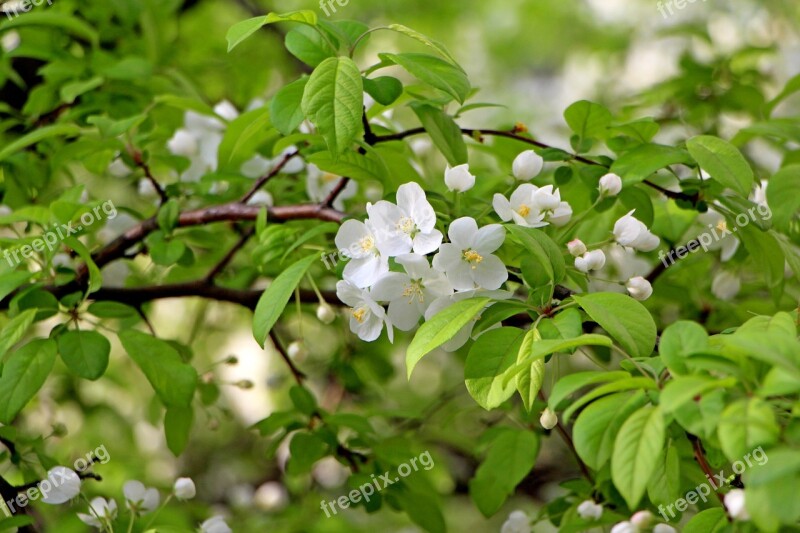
(271, 174)
(141, 163)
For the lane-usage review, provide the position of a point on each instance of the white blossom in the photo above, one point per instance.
(101, 511)
(65, 485)
(726, 285)
(549, 419)
(271, 496)
(183, 143)
(594, 260)
(358, 241)
(664, 528)
(610, 185)
(589, 510)
(459, 178)
(409, 225)
(146, 188)
(184, 488)
(631, 232)
(140, 499)
(726, 242)
(10, 41)
(527, 165)
(410, 294)
(548, 202)
(735, 504)
(215, 524)
(261, 198)
(119, 169)
(517, 522)
(367, 318)
(521, 207)
(639, 288)
(624, 527)
(576, 248)
(467, 259)
(642, 519)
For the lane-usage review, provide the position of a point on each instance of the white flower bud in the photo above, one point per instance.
(726, 285)
(576, 248)
(632, 233)
(183, 143)
(735, 504)
(594, 260)
(527, 165)
(184, 488)
(624, 527)
(326, 314)
(610, 185)
(642, 519)
(517, 522)
(146, 188)
(297, 351)
(10, 41)
(459, 178)
(226, 110)
(664, 528)
(639, 288)
(549, 419)
(261, 198)
(590, 510)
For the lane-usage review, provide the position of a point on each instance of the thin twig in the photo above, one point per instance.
(299, 377)
(334, 194)
(225, 261)
(141, 163)
(700, 457)
(271, 174)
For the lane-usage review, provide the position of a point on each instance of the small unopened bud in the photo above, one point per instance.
(642, 519)
(326, 314)
(231, 360)
(549, 419)
(527, 165)
(639, 288)
(589, 510)
(59, 430)
(610, 185)
(576, 248)
(245, 384)
(297, 351)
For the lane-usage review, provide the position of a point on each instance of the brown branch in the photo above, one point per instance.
(141, 163)
(271, 174)
(699, 456)
(299, 376)
(225, 261)
(334, 194)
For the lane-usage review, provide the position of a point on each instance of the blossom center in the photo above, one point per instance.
(367, 243)
(722, 226)
(328, 177)
(524, 210)
(359, 314)
(413, 291)
(407, 225)
(473, 257)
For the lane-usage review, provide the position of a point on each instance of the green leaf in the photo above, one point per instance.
(405, 30)
(177, 428)
(243, 136)
(543, 348)
(638, 383)
(85, 353)
(767, 254)
(680, 340)
(597, 426)
(682, 390)
(306, 449)
(530, 383)
(40, 134)
(110, 128)
(71, 91)
(643, 161)
(273, 301)
(173, 380)
(286, 107)
(782, 197)
(441, 328)
(60, 20)
(95, 277)
(510, 458)
(303, 400)
(15, 329)
(588, 120)
(23, 375)
(12, 281)
(723, 162)
(308, 45)
(568, 385)
(435, 72)
(492, 354)
(333, 100)
(746, 425)
(637, 448)
(353, 164)
(244, 29)
(625, 319)
(384, 89)
(168, 215)
(444, 133)
(708, 521)
(664, 486)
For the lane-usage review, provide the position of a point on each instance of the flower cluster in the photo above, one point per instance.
(406, 233)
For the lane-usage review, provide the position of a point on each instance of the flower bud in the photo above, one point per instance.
(576, 248)
(297, 351)
(527, 165)
(664, 528)
(459, 178)
(183, 143)
(610, 185)
(726, 285)
(326, 314)
(590, 510)
(639, 288)
(549, 419)
(624, 527)
(735, 504)
(245, 384)
(594, 260)
(231, 360)
(261, 198)
(184, 488)
(642, 519)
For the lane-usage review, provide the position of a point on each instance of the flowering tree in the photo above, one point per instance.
(627, 301)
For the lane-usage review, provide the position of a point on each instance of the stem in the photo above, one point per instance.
(155, 515)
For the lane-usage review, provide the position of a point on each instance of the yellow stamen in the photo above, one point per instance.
(328, 177)
(722, 226)
(367, 243)
(471, 256)
(359, 314)
(406, 225)
(414, 291)
(524, 210)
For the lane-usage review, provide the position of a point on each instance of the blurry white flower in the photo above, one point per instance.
(147, 189)
(759, 195)
(664, 528)
(139, 499)
(216, 524)
(735, 504)
(642, 519)
(594, 260)
(261, 198)
(576, 248)
(101, 511)
(184, 488)
(467, 259)
(10, 41)
(326, 314)
(297, 351)
(589, 510)
(256, 167)
(549, 419)
(183, 143)
(410, 294)
(521, 207)
(119, 169)
(330, 473)
(367, 318)
(271, 496)
(726, 285)
(226, 110)
(527, 165)
(62, 260)
(631, 232)
(358, 241)
(610, 185)
(517, 522)
(639, 288)
(624, 527)
(409, 225)
(459, 178)
(548, 202)
(726, 242)
(320, 184)
(5, 210)
(65, 485)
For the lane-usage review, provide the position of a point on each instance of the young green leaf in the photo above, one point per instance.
(530, 383)
(444, 132)
(625, 319)
(492, 354)
(244, 29)
(177, 427)
(723, 162)
(85, 353)
(286, 107)
(637, 448)
(384, 89)
(15, 329)
(23, 375)
(435, 72)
